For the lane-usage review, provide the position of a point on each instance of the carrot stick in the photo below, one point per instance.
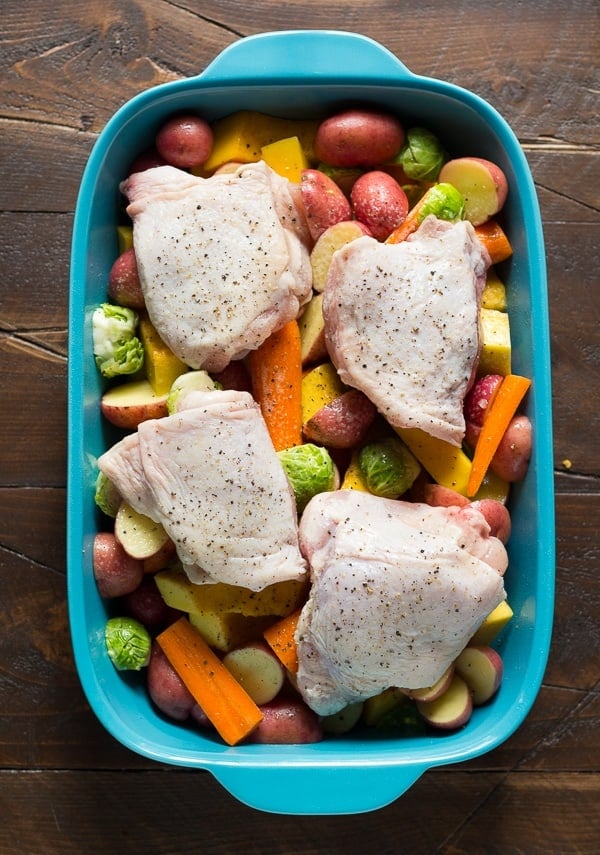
(280, 637)
(228, 706)
(499, 412)
(276, 375)
(491, 235)
(409, 225)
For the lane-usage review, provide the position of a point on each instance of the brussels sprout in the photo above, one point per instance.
(388, 467)
(310, 470)
(191, 381)
(443, 201)
(117, 349)
(128, 643)
(107, 497)
(422, 155)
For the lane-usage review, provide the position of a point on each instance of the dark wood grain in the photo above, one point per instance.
(65, 784)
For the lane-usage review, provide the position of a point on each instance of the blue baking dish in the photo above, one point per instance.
(310, 74)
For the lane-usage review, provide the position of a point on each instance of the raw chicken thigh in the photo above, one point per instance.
(402, 323)
(223, 261)
(398, 589)
(211, 477)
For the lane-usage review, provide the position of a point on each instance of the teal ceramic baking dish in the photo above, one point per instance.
(310, 74)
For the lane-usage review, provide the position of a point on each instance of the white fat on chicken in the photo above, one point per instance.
(402, 323)
(210, 475)
(223, 261)
(398, 589)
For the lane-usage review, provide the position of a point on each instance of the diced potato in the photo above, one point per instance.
(494, 622)
(495, 355)
(279, 599)
(161, 364)
(312, 332)
(226, 630)
(320, 387)
(447, 464)
(286, 157)
(494, 292)
(241, 136)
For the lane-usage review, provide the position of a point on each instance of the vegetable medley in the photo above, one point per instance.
(221, 656)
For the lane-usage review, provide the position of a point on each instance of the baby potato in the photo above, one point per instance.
(342, 423)
(287, 721)
(497, 517)
(324, 202)
(359, 137)
(185, 140)
(511, 460)
(116, 573)
(166, 688)
(379, 202)
(124, 287)
(146, 604)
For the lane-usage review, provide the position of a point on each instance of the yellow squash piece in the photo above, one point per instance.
(320, 386)
(353, 479)
(226, 630)
(286, 157)
(447, 464)
(494, 292)
(161, 364)
(124, 238)
(494, 622)
(279, 599)
(241, 136)
(495, 355)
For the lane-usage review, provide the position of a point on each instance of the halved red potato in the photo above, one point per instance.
(482, 183)
(482, 669)
(133, 402)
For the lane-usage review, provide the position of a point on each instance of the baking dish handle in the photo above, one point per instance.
(330, 55)
(317, 790)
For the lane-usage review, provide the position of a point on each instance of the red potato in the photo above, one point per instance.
(332, 239)
(147, 160)
(287, 721)
(124, 287)
(146, 604)
(324, 203)
(140, 537)
(430, 693)
(482, 670)
(313, 347)
(450, 710)
(133, 402)
(497, 517)
(437, 495)
(379, 202)
(482, 183)
(185, 141)
(343, 423)
(160, 559)
(359, 138)
(479, 396)
(116, 572)
(257, 669)
(511, 460)
(166, 688)
(234, 376)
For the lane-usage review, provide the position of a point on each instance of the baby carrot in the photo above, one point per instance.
(280, 637)
(276, 375)
(226, 704)
(491, 235)
(499, 412)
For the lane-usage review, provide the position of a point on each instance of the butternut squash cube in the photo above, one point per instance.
(226, 630)
(241, 136)
(494, 622)
(161, 364)
(494, 292)
(286, 157)
(353, 479)
(447, 464)
(320, 387)
(495, 357)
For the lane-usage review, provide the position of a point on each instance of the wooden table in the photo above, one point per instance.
(65, 785)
